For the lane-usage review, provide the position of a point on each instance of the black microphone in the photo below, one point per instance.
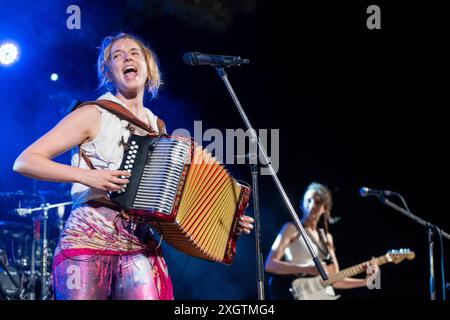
(364, 192)
(197, 58)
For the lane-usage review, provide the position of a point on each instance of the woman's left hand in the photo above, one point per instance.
(245, 224)
(371, 268)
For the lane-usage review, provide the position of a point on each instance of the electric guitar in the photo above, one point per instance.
(314, 288)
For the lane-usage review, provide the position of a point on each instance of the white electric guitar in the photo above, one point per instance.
(316, 289)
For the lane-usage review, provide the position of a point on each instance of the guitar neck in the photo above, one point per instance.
(353, 271)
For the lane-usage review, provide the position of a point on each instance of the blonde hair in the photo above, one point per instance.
(154, 80)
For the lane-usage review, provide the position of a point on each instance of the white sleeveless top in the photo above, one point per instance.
(105, 150)
(297, 252)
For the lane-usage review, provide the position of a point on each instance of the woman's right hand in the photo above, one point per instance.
(106, 180)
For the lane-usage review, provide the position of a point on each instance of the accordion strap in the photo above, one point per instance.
(86, 158)
(122, 113)
(125, 114)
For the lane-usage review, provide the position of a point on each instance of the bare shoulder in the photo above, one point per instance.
(289, 230)
(75, 128)
(86, 118)
(89, 110)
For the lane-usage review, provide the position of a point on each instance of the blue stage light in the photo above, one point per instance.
(9, 53)
(54, 77)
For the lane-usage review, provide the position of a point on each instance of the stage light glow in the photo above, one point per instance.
(9, 53)
(54, 77)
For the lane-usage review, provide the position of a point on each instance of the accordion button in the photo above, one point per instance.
(126, 166)
(133, 156)
(119, 191)
(136, 147)
(127, 162)
(134, 151)
(132, 147)
(132, 161)
(133, 142)
(123, 177)
(130, 166)
(129, 170)
(128, 157)
(130, 152)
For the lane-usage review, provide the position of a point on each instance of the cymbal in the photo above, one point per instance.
(14, 230)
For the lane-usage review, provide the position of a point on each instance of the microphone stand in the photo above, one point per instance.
(253, 137)
(430, 227)
(259, 256)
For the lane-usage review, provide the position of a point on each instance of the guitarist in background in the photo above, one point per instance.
(289, 257)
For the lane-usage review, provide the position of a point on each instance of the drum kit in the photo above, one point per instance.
(29, 228)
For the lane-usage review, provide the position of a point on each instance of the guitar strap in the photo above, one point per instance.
(322, 245)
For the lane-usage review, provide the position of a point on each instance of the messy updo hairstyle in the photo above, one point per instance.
(105, 79)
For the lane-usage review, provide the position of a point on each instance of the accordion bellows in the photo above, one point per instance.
(185, 194)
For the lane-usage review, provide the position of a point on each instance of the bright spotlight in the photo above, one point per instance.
(54, 77)
(9, 53)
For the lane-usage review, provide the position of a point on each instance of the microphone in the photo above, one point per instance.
(364, 192)
(197, 58)
(61, 210)
(23, 211)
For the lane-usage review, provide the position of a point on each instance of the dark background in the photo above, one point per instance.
(355, 107)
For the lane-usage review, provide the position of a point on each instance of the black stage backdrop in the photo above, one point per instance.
(354, 107)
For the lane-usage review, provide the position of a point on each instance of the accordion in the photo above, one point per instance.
(184, 193)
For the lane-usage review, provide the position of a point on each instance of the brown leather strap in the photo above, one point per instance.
(161, 126)
(122, 113)
(86, 158)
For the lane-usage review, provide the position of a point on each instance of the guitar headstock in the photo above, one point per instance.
(397, 256)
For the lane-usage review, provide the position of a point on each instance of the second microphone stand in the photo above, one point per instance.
(430, 229)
